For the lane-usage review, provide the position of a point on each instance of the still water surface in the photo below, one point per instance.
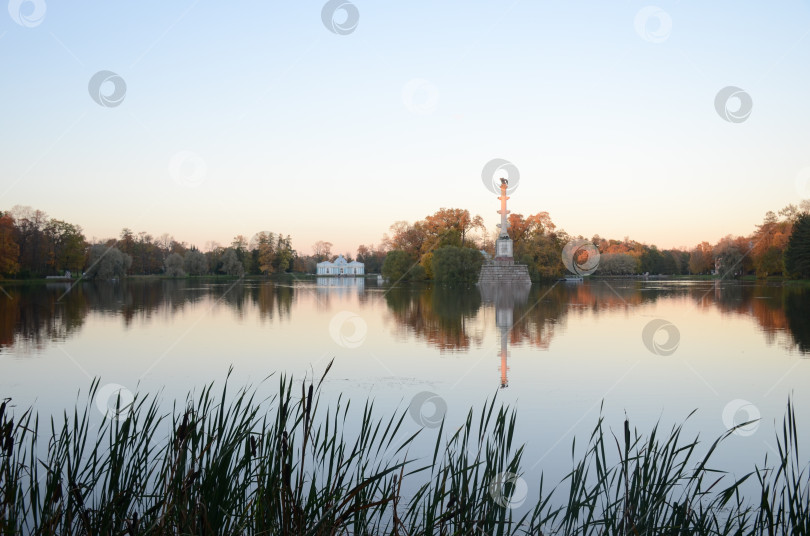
(560, 354)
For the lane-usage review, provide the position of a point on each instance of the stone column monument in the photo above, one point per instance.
(503, 268)
(503, 246)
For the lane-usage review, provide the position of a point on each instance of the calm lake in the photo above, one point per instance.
(560, 354)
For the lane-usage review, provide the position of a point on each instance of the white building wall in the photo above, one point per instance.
(340, 268)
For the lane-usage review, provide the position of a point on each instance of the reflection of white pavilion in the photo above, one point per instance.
(340, 286)
(505, 297)
(340, 267)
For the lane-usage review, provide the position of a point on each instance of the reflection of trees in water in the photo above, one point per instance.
(781, 312)
(536, 319)
(272, 300)
(797, 310)
(138, 299)
(35, 314)
(234, 294)
(597, 296)
(447, 319)
(442, 319)
(438, 315)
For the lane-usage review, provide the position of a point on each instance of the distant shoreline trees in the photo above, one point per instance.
(32, 245)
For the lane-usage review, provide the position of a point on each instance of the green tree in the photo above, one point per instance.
(797, 253)
(402, 266)
(284, 254)
(456, 265)
(66, 244)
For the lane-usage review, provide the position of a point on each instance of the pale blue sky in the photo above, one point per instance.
(311, 133)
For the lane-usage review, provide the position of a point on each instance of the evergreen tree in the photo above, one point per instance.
(797, 254)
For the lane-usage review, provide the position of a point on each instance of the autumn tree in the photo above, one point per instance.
(264, 246)
(446, 227)
(453, 220)
(538, 244)
(9, 250)
(305, 264)
(164, 242)
(729, 257)
(371, 257)
(178, 247)
(322, 250)
(701, 259)
(30, 237)
(770, 241)
(126, 240)
(406, 237)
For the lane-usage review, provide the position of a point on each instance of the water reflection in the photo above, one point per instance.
(451, 320)
(442, 317)
(33, 315)
(341, 286)
(505, 298)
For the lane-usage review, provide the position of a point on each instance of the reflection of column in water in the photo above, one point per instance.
(504, 319)
(505, 297)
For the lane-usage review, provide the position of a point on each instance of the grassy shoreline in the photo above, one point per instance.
(235, 467)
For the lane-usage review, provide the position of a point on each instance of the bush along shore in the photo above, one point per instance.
(226, 464)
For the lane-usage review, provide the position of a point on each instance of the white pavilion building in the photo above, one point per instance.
(341, 267)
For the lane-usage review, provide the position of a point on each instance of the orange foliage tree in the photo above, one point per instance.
(770, 240)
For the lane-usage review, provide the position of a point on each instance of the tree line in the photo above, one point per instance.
(33, 245)
(779, 246)
(447, 247)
